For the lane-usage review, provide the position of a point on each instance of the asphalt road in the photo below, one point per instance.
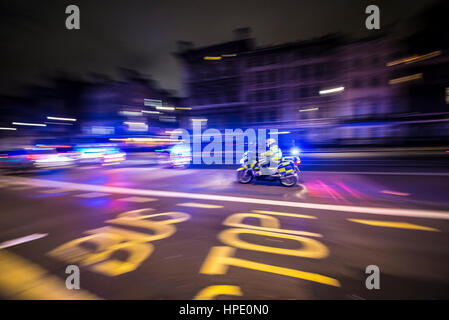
(152, 233)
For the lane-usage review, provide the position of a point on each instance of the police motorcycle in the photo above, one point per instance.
(287, 172)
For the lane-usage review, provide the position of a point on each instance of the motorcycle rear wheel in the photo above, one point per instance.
(289, 181)
(244, 176)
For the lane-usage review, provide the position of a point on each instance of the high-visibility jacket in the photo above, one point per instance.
(273, 155)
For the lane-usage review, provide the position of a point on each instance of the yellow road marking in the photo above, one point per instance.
(309, 248)
(211, 292)
(176, 217)
(21, 279)
(107, 241)
(395, 193)
(220, 258)
(392, 224)
(268, 223)
(199, 205)
(276, 213)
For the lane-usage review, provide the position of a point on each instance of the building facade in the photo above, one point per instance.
(324, 91)
(101, 106)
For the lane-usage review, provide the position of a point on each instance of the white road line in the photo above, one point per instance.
(416, 213)
(199, 205)
(137, 199)
(381, 173)
(21, 240)
(116, 170)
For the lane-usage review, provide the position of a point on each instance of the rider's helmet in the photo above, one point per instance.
(271, 142)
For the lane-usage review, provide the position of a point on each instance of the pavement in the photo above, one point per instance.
(152, 233)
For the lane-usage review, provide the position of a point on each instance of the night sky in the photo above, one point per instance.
(142, 34)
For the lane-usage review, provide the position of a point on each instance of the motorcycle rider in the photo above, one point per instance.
(269, 160)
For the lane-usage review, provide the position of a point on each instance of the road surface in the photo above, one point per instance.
(153, 233)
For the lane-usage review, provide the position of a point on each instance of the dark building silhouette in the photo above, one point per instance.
(325, 91)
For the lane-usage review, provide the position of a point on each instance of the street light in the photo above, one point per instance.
(165, 108)
(151, 112)
(61, 119)
(332, 90)
(309, 109)
(29, 124)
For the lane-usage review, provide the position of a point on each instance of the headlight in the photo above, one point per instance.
(180, 149)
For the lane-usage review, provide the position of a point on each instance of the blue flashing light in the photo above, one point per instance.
(295, 151)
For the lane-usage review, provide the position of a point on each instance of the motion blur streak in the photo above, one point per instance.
(392, 224)
(221, 257)
(285, 214)
(21, 279)
(155, 107)
(199, 205)
(14, 242)
(395, 193)
(212, 291)
(435, 214)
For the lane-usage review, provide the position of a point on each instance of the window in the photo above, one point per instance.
(356, 83)
(375, 108)
(294, 73)
(259, 78)
(358, 107)
(272, 76)
(273, 115)
(375, 82)
(304, 72)
(319, 70)
(283, 94)
(229, 96)
(304, 92)
(357, 62)
(229, 69)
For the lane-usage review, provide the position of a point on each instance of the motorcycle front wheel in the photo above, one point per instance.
(299, 175)
(289, 181)
(244, 176)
